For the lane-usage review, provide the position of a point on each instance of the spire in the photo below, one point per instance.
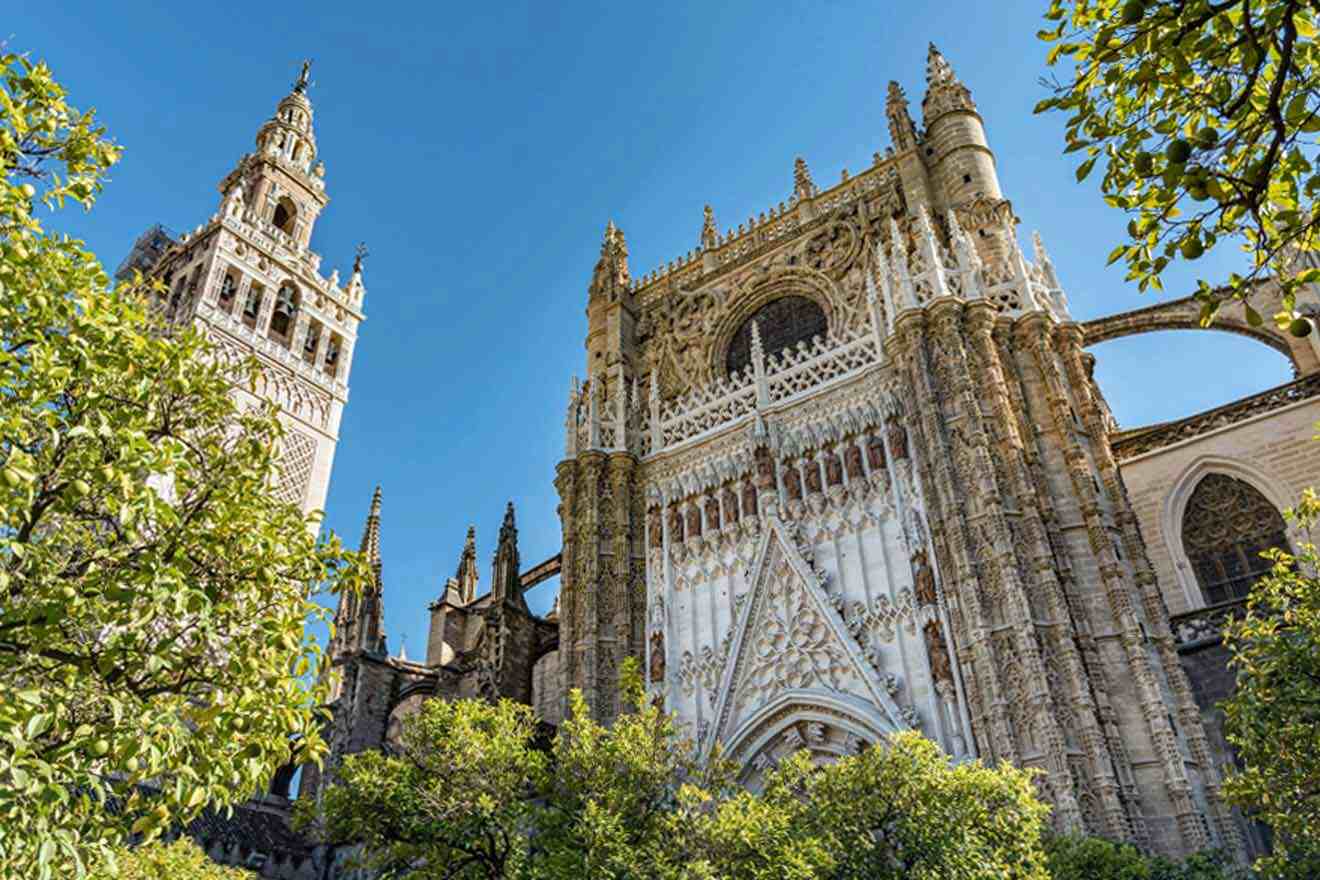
(505, 584)
(466, 576)
(371, 531)
(359, 619)
(803, 186)
(938, 70)
(944, 91)
(370, 625)
(611, 274)
(902, 130)
(709, 235)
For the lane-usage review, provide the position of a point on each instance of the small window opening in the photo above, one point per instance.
(967, 178)
(228, 287)
(309, 344)
(285, 215)
(281, 320)
(252, 306)
(331, 364)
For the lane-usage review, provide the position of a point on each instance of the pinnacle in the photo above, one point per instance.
(709, 234)
(937, 67)
(803, 186)
(371, 532)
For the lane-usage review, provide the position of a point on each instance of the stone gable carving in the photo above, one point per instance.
(789, 639)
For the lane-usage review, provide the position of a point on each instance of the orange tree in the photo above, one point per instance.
(153, 588)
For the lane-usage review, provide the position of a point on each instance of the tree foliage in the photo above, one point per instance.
(1204, 115)
(153, 589)
(178, 860)
(468, 793)
(1273, 717)
(1095, 858)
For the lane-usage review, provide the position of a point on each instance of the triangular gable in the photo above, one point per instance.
(789, 638)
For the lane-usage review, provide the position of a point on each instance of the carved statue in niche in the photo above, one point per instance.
(712, 513)
(875, 453)
(852, 461)
(833, 469)
(897, 439)
(675, 524)
(694, 520)
(923, 578)
(657, 657)
(812, 468)
(765, 468)
(941, 669)
(730, 504)
(653, 527)
(749, 499)
(792, 483)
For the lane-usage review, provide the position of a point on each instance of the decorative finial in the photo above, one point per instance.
(361, 253)
(902, 130)
(709, 234)
(937, 67)
(945, 93)
(300, 87)
(803, 187)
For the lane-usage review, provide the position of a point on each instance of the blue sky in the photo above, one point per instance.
(479, 150)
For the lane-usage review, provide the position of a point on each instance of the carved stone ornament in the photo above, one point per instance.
(923, 579)
(788, 639)
(657, 657)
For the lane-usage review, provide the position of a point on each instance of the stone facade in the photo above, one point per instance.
(844, 470)
(913, 520)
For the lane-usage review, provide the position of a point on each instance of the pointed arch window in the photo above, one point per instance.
(1226, 525)
(782, 323)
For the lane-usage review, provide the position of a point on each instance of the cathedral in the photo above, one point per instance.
(840, 471)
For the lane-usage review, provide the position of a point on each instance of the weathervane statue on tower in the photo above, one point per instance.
(303, 78)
